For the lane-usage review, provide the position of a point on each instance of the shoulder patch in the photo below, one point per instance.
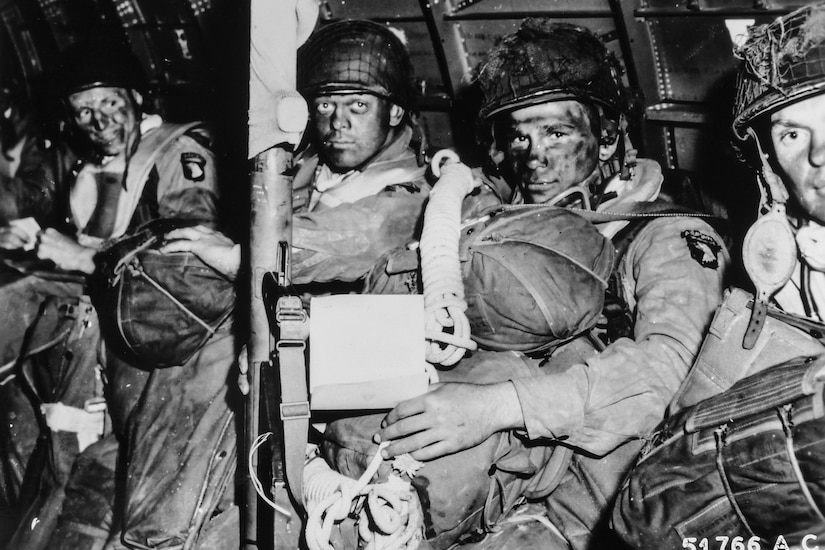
(193, 165)
(703, 248)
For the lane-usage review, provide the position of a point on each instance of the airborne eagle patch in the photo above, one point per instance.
(703, 248)
(193, 166)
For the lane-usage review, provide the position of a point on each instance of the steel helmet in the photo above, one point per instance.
(96, 63)
(356, 56)
(548, 61)
(783, 62)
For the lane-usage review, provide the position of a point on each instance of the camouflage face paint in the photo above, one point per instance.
(351, 128)
(107, 116)
(550, 147)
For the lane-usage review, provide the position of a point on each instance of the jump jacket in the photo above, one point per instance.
(177, 179)
(171, 173)
(334, 240)
(31, 190)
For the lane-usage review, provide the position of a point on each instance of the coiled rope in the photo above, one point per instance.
(446, 327)
(389, 514)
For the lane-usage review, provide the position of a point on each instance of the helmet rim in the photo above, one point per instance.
(542, 96)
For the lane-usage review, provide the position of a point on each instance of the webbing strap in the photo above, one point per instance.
(294, 409)
(787, 428)
(809, 326)
(647, 210)
(141, 163)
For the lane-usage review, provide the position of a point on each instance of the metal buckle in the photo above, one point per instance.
(289, 343)
(95, 404)
(290, 308)
(292, 320)
(295, 410)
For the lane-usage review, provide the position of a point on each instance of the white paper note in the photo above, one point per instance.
(366, 351)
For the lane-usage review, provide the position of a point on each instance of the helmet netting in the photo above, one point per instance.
(547, 60)
(782, 61)
(353, 56)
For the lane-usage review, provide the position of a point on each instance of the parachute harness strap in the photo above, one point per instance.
(446, 327)
(389, 514)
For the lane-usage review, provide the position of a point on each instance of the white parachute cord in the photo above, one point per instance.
(328, 496)
(393, 506)
(396, 514)
(446, 327)
(253, 475)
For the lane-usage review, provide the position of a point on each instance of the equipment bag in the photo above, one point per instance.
(747, 464)
(738, 455)
(161, 307)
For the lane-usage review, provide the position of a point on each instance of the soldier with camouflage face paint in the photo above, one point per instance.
(741, 456)
(556, 108)
(359, 191)
(130, 167)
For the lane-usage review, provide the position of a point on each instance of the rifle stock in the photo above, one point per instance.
(271, 216)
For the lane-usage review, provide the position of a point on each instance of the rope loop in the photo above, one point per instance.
(389, 514)
(447, 328)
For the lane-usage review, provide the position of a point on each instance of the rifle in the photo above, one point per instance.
(277, 116)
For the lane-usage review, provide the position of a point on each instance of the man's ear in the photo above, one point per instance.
(396, 115)
(607, 150)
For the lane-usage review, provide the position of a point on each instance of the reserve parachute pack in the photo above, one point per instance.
(159, 308)
(534, 276)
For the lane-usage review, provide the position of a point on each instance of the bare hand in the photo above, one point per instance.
(12, 238)
(243, 367)
(214, 248)
(451, 418)
(65, 252)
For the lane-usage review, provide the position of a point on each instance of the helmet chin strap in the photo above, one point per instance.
(769, 247)
(623, 160)
(771, 188)
(582, 193)
(578, 193)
